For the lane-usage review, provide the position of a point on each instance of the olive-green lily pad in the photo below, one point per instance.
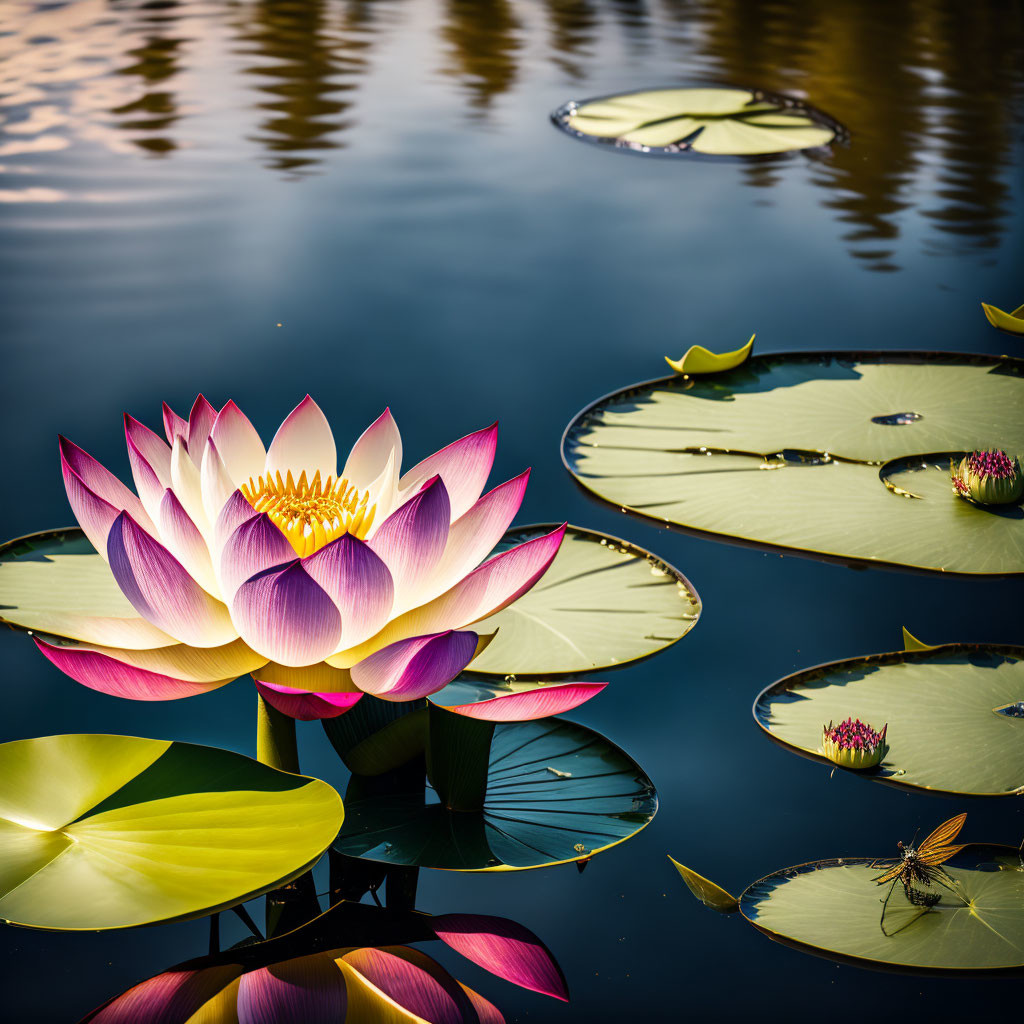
(712, 121)
(833, 908)
(55, 582)
(555, 792)
(838, 454)
(602, 602)
(946, 710)
(104, 832)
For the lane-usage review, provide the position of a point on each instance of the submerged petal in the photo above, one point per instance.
(239, 444)
(162, 591)
(305, 705)
(414, 668)
(541, 702)
(286, 615)
(304, 443)
(464, 466)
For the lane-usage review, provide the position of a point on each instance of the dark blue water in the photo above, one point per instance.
(367, 201)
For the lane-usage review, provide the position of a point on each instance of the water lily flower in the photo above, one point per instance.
(988, 478)
(854, 744)
(323, 584)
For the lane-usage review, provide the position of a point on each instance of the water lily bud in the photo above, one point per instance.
(854, 744)
(988, 478)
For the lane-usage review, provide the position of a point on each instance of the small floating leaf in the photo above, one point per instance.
(113, 831)
(938, 703)
(911, 643)
(711, 895)
(1011, 322)
(697, 359)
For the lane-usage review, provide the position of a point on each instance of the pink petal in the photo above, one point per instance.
(304, 442)
(200, 423)
(474, 535)
(504, 948)
(307, 990)
(215, 482)
(358, 582)
(235, 512)
(174, 425)
(486, 590)
(254, 546)
(94, 515)
(169, 997)
(182, 538)
(284, 614)
(102, 482)
(486, 1012)
(411, 669)
(150, 460)
(464, 466)
(306, 706)
(160, 589)
(238, 443)
(411, 979)
(540, 702)
(412, 539)
(113, 672)
(369, 456)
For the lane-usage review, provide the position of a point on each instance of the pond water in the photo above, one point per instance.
(367, 201)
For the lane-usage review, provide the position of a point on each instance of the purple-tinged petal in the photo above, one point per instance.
(370, 454)
(239, 444)
(286, 615)
(102, 482)
(174, 425)
(525, 705)
(168, 998)
(486, 590)
(414, 668)
(254, 546)
(147, 483)
(187, 484)
(304, 442)
(486, 1012)
(150, 460)
(182, 538)
(473, 536)
(304, 705)
(215, 482)
(418, 984)
(235, 512)
(162, 591)
(200, 423)
(464, 466)
(504, 948)
(307, 990)
(166, 673)
(411, 541)
(94, 515)
(358, 582)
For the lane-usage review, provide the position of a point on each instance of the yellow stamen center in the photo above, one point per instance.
(311, 514)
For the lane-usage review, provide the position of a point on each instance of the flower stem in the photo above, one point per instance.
(275, 738)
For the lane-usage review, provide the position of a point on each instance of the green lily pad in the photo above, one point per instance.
(102, 832)
(833, 908)
(945, 706)
(556, 792)
(711, 121)
(602, 602)
(837, 454)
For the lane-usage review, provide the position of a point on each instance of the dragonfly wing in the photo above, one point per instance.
(939, 856)
(945, 833)
(889, 875)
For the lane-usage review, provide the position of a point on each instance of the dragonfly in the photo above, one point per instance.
(923, 864)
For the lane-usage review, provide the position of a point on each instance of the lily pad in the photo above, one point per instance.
(602, 602)
(833, 908)
(837, 454)
(102, 832)
(712, 121)
(556, 792)
(947, 730)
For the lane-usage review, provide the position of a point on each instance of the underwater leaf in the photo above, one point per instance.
(712, 121)
(833, 908)
(698, 359)
(711, 895)
(104, 832)
(602, 602)
(555, 792)
(952, 714)
(838, 454)
(1013, 322)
